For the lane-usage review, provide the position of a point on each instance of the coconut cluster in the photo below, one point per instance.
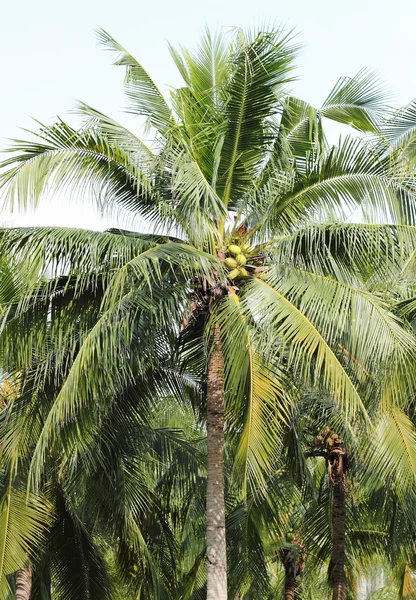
(236, 260)
(290, 536)
(328, 438)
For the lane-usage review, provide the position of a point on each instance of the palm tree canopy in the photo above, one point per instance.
(237, 159)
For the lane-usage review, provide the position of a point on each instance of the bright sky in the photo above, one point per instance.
(50, 57)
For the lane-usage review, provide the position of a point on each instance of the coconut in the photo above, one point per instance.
(334, 436)
(246, 248)
(319, 440)
(330, 442)
(241, 260)
(230, 263)
(234, 250)
(290, 537)
(234, 273)
(243, 272)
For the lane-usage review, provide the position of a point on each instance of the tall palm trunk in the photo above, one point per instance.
(216, 541)
(337, 469)
(293, 563)
(290, 578)
(24, 583)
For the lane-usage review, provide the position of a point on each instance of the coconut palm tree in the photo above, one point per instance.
(100, 492)
(371, 513)
(104, 501)
(238, 167)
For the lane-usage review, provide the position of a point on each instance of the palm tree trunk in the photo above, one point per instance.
(339, 591)
(338, 478)
(293, 564)
(290, 584)
(215, 526)
(24, 583)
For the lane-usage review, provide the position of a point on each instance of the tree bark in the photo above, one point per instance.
(215, 514)
(24, 583)
(337, 475)
(293, 564)
(290, 582)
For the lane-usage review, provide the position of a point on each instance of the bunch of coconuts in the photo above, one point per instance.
(328, 438)
(236, 260)
(290, 536)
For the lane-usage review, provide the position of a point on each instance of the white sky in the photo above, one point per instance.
(50, 57)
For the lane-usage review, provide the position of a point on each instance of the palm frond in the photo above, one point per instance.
(373, 335)
(65, 159)
(392, 453)
(115, 133)
(262, 67)
(258, 395)
(358, 101)
(349, 177)
(144, 98)
(308, 350)
(23, 522)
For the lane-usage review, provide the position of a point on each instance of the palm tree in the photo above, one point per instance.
(106, 494)
(97, 493)
(337, 462)
(237, 169)
(292, 560)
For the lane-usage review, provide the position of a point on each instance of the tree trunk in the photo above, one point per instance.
(338, 479)
(24, 583)
(293, 563)
(339, 591)
(216, 541)
(290, 582)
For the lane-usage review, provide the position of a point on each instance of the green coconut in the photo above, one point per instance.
(231, 263)
(234, 250)
(241, 260)
(234, 273)
(246, 248)
(243, 272)
(290, 537)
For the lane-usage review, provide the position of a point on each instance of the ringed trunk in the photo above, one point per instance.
(24, 583)
(339, 591)
(338, 479)
(290, 584)
(215, 505)
(293, 564)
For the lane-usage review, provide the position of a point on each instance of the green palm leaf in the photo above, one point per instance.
(143, 96)
(393, 454)
(22, 529)
(308, 348)
(358, 101)
(258, 395)
(262, 67)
